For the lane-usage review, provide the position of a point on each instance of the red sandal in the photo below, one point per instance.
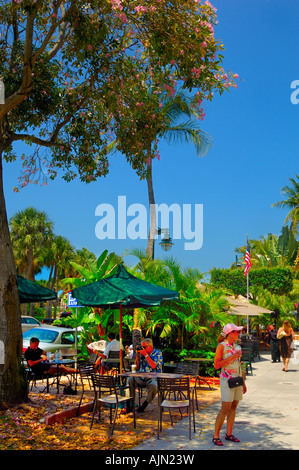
(231, 438)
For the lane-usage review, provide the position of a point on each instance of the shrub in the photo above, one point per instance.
(275, 280)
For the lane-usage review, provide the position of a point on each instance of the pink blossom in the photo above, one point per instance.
(123, 17)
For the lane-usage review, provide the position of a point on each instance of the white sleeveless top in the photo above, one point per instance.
(233, 368)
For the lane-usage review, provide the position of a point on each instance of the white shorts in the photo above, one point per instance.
(230, 394)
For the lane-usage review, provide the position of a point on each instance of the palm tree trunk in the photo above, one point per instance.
(13, 385)
(50, 303)
(151, 199)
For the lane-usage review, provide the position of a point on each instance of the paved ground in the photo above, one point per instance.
(267, 417)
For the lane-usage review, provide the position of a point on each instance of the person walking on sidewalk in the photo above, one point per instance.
(286, 336)
(274, 343)
(227, 358)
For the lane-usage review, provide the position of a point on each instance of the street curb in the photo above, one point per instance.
(69, 413)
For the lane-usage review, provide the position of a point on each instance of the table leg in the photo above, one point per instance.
(57, 377)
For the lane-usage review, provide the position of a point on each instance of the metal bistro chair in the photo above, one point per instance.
(33, 377)
(108, 393)
(175, 393)
(111, 365)
(85, 371)
(247, 359)
(93, 358)
(191, 369)
(256, 349)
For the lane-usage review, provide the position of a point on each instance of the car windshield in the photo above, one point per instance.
(67, 338)
(46, 336)
(29, 320)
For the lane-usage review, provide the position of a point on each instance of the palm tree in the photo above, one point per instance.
(291, 202)
(30, 232)
(182, 124)
(59, 254)
(272, 251)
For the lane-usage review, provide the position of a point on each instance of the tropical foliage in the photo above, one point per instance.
(273, 251)
(31, 232)
(291, 201)
(185, 323)
(275, 280)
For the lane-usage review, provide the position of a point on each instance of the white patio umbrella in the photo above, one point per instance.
(240, 306)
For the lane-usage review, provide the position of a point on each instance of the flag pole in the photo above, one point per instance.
(120, 338)
(247, 274)
(248, 287)
(247, 268)
(248, 302)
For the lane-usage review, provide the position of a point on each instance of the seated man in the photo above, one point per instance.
(113, 345)
(35, 358)
(148, 359)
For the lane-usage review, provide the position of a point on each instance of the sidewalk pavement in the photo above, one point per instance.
(267, 418)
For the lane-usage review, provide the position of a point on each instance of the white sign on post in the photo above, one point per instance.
(72, 301)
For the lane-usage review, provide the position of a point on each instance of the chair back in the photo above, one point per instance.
(175, 385)
(247, 352)
(93, 358)
(85, 370)
(113, 355)
(106, 382)
(187, 368)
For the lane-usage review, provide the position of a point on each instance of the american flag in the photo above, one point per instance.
(247, 260)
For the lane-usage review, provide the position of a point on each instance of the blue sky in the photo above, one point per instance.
(255, 150)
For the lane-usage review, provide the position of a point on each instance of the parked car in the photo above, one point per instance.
(28, 323)
(51, 338)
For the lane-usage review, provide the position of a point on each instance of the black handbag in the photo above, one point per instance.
(235, 382)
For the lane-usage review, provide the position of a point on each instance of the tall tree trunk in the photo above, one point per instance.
(151, 198)
(13, 384)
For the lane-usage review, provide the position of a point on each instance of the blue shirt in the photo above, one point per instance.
(157, 357)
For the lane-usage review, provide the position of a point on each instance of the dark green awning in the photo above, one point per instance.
(123, 289)
(30, 291)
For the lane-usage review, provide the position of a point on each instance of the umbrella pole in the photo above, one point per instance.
(120, 338)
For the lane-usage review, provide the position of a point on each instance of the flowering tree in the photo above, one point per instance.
(76, 76)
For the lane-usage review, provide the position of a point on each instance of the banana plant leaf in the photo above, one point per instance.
(30, 291)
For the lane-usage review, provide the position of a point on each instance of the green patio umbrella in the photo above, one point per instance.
(30, 291)
(123, 290)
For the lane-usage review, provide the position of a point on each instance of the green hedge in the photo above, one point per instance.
(275, 280)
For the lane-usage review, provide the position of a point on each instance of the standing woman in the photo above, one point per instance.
(227, 357)
(286, 349)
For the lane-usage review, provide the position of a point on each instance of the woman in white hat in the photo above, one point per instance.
(227, 358)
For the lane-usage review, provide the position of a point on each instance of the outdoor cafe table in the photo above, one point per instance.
(59, 362)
